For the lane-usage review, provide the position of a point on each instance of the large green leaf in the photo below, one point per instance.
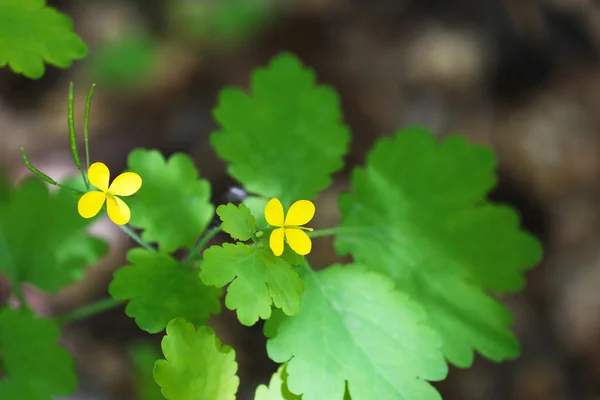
(286, 138)
(354, 327)
(418, 215)
(32, 33)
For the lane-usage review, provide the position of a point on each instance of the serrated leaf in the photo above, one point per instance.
(353, 326)
(160, 288)
(418, 215)
(173, 206)
(237, 221)
(196, 366)
(36, 367)
(144, 356)
(287, 137)
(43, 239)
(277, 389)
(32, 33)
(257, 278)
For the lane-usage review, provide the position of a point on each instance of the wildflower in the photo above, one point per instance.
(300, 213)
(125, 184)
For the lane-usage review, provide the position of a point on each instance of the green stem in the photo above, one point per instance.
(202, 243)
(89, 310)
(136, 237)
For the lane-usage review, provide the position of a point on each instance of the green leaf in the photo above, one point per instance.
(353, 326)
(43, 239)
(196, 366)
(173, 206)
(36, 367)
(32, 33)
(277, 389)
(418, 215)
(238, 222)
(125, 61)
(258, 280)
(144, 356)
(287, 137)
(160, 288)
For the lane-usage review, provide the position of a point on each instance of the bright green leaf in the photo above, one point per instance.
(353, 326)
(286, 138)
(277, 389)
(258, 280)
(237, 221)
(36, 367)
(196, 366)
(418, 215)
(160, 288)
(43, 239)
(173, 206)
(144, 356)
(32, 33)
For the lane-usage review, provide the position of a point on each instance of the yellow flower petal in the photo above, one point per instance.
(90, 204)
(118, 211)
(300, 213)
(274, 212)
(276, 241)
(298, 240)
(126, 184)
(99, 175)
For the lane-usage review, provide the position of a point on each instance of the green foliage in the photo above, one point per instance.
(237, 221)
(277, 389)
(418, 215)
(196, 366)
(160, 288)
(353, 326)
(125, 61)
(144, 356)
(286, 139)
(36, 367)
(258, 280)
(42, 238)
(32, 33)
(173, 206)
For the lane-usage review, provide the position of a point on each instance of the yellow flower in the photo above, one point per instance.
(125, 184)
(300, 213)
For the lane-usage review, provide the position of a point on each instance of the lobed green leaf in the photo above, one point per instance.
(287, 138)
(173, 206)
(256, 280)
(418, 214)
(354, 327)
(160, 288)
(32, 33)
(196, 367)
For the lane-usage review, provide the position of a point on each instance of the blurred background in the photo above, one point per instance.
(521, 76)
